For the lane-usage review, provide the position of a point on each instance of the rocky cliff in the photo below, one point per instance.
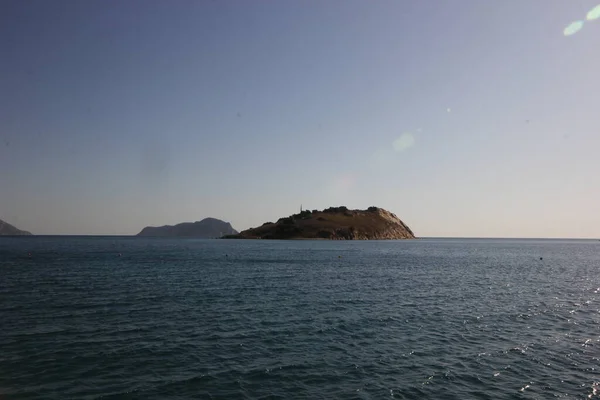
(336, 223)
(208, 228)
(7, 229)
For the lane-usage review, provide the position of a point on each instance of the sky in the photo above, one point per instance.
(464, 118)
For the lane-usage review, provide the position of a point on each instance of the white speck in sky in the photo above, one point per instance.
(449, 110)
(405, 141)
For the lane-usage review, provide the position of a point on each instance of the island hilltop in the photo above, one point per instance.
(208, 228)
(7, 229)
(336, 223)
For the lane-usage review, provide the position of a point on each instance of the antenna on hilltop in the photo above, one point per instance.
(300, 208)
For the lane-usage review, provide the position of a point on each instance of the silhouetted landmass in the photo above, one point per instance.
(336, 223)
(7, 229)
(208, 228)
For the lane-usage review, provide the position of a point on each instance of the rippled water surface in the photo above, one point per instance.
(137, 318)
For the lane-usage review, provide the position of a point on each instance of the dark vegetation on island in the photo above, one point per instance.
(208, 228)
(334, 223)
(7, 229)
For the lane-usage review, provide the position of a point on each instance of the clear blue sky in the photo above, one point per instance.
(465, 118)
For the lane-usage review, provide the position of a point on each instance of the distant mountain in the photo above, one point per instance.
(7, 229)
(208, 228)
(335, 223)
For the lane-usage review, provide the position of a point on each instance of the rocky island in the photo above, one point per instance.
(7, 229)
(208, 228)
(335, 223)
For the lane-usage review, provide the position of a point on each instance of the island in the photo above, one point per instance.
(334, 223)
(7, 229)
(208, 228)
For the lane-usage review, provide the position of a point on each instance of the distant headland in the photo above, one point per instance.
(335, 223)
(208, 228)
(7, 229)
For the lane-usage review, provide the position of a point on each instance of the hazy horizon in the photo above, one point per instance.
(465, 119)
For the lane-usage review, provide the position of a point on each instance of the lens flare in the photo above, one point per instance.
(343, 184)
(573, 28)
(405, 141)
(594, 13)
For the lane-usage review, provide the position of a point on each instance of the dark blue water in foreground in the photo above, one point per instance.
(184, 319)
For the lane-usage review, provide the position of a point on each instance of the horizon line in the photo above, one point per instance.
(418, 237)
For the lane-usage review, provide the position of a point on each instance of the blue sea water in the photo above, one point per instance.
(137, 318)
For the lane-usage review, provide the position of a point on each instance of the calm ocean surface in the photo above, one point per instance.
(187, 319)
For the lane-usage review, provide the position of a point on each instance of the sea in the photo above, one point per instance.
(155, 318)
